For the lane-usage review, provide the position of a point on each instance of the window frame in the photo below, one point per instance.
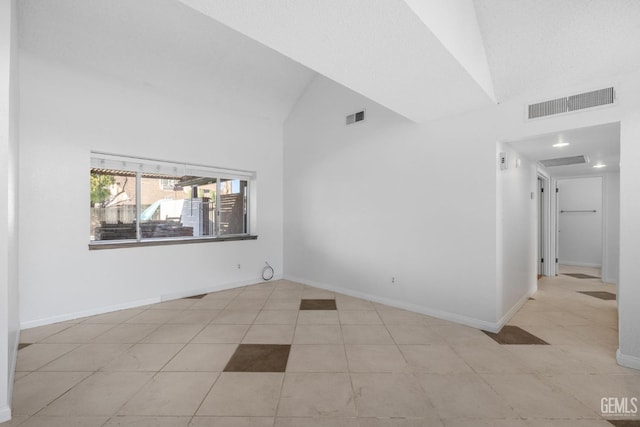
(141, 166)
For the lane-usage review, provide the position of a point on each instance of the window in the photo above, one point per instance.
(141, 200)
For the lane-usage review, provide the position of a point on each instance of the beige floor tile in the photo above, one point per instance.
(532, 398)
(155, 316)
(171, 393)
(359, 317)
(282, 303)
(316, 422)
(557, 335)
(247, 304)
(103, 393)
(202, 357)
(221, 334)
(375, 358)
(317, 358)
(87, 357)
(317, 334)
(414, 334)
(243, 394)
(232, 422)
(113, 317)
(490, 359)
(197, 317)
(489, 422)
(567, 423)
(318, 317)
(78, 334)
(173, 334)
(144, 358)
(548, 359)
(366, 334)
(600, 359)
(434, 359)
(315, 293)
(40, 421)
(39, 333)
(211, 303)
(140, 421)
(390, 395)
(269, 334)
(176, 304)
(259, 293)
(589, 389)
(236, 317)
(458, 334)
(464, 396)
(126, 333)
(400, 422)
(280, 293)
(37, 355)
(316, 395)
(344, 302)
(276, 317)
(395, 316)
(38, 389)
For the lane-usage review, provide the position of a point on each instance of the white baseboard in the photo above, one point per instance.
(579, 264)
(444, 315)
(12, 370)
(517, 306)
(138, 303)
(5, 413)
(627, 361)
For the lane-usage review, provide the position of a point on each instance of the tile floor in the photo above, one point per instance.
(361, 364)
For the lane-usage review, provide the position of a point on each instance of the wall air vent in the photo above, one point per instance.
(355, 117)
(571, 103)
(564, 161)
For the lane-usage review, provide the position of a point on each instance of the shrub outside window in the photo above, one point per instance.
(144, 200)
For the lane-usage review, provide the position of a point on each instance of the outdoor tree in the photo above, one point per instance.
(100, 188)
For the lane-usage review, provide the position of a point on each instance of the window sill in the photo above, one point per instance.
(99, 245)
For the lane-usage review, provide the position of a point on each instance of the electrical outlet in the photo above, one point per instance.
(238, 266)
(393, 280)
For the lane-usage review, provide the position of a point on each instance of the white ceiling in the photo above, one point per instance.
(420, 59)
(537, 45)
(600, 143)
(380, 49)
(167, 46)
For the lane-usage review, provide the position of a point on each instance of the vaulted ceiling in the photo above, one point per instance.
(421, 59)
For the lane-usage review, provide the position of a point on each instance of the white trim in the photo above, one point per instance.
(139, 303)
(444, 315)
(12, 370)
(513, 310)
(5, 413)
(627, 361)
(579, 264)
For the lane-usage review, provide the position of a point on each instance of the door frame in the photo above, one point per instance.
(546, 237)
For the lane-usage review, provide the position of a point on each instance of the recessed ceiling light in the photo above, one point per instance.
(599, 165)
(560, 144)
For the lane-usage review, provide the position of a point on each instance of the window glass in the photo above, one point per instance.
(113, 205)
(233, 206)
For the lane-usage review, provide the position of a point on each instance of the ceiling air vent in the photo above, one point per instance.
(571, 103)
(564, 161)
(355, 117)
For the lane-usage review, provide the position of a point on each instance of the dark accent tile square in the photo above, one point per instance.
(196, 296)
(580, 276)
(625, 423)
(531, 299)
(259, 358)
(600, 294)
(23, 345)
(515, 335)
(318, 304)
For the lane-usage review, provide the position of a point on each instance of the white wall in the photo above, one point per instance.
(67, 112)
(517, 228)
(9, 201)
(611, 247)
(628, 288)
(580, 233)
(388, 198)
